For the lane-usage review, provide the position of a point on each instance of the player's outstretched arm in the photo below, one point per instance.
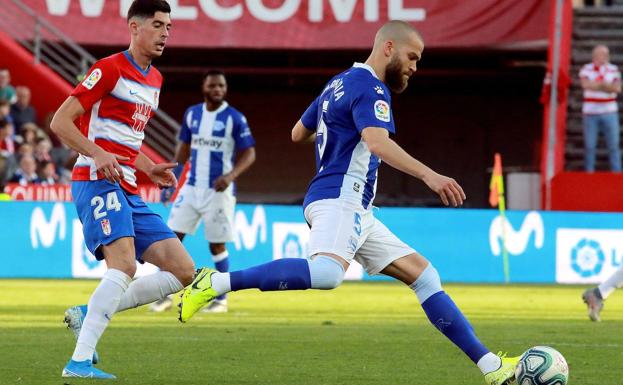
(301, 134)
(381, 145)
(63, 126)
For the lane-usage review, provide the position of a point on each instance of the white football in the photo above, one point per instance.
(542, 365)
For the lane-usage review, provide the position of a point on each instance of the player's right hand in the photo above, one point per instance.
(107, 163)
(448, 189)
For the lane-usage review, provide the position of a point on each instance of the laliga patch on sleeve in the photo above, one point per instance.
(381, 110)
(92, 79)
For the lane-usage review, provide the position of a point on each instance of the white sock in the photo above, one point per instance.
(102, 305)
(611, 284)
(489, 363)
(220, 256)
(148, 289)
(221, 283)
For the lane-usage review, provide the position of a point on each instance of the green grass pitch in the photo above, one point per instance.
(361, 333)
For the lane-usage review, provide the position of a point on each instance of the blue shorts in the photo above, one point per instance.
(108, 213)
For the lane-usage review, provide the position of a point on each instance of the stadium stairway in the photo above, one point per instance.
(573, 189)
(591, 26)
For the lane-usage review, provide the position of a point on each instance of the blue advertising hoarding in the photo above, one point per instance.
(45, 240)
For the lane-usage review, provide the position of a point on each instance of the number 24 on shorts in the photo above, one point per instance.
(112, 203)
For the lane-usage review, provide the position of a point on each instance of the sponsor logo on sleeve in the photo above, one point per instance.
(92, 79)
(381, 110)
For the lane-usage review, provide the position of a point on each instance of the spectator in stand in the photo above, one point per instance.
(27, 171)
(601, 82)
(7, 92)
(22, 112)
(25, 149)
(47, 173)
(42, 150)
(30, 134)
(5, 111)
(7, 146)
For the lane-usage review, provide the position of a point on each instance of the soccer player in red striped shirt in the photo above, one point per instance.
(114, 104)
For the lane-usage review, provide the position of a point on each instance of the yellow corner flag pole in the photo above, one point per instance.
(496, 198)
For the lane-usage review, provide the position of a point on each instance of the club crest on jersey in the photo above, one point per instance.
(141, 116)
(106, 227)
(381, 110)
(92, 79)
(218, 126)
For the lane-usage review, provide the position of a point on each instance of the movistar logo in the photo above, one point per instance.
(516, 241)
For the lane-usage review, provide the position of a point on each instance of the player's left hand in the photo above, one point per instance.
(448, 189)
(222, 182)
(162, 175)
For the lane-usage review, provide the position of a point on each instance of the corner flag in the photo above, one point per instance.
(496, 198)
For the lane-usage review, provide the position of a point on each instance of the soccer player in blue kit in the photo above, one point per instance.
(350, 122)
(213, 135)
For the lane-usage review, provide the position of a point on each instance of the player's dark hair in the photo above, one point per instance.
(213, 72)
(148, 8)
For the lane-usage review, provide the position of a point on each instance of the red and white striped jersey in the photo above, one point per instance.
(599, 102)
(119, 98)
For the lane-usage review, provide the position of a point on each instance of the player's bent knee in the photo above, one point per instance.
(427, 284)
(326, 273)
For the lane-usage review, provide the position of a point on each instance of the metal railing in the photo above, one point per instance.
(52, 47)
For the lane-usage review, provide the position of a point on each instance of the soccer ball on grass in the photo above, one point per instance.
(542, 365)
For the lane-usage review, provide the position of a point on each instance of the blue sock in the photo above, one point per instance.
(446, 316)
(222, 265)
(280, 274)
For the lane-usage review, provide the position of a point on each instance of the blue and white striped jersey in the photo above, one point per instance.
(214, 138)
(346, 169)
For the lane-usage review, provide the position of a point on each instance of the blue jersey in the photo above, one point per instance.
(214, 138)
(346, 169)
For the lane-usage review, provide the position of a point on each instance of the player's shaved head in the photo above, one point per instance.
(397, 48)
(397, 31)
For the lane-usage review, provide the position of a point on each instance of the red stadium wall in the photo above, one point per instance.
(48, 89)
(579, 191)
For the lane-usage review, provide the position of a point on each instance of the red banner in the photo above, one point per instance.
(310, 24)
(62, 192)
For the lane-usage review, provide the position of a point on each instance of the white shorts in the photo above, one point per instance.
(215, 208)
(348, 230)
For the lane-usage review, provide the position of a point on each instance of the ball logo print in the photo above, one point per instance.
(587, 258)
